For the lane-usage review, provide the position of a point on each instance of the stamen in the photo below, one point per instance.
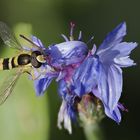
(64, 37)
(72, 25)
(93, 49)
(80, 36)
(122, 107)
(90, 39)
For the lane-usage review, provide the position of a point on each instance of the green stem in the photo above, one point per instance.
(90, 115)
(92, 131)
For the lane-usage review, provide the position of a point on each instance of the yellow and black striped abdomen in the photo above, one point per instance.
(8, 63)
(13, 62)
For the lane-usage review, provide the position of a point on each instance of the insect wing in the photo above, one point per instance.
(8, 37)
(8, 86)
(35, 43)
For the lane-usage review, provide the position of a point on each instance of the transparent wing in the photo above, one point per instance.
(8, 85)
(34, 43)
(8, 37)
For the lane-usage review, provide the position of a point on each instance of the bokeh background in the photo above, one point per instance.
(26, 117)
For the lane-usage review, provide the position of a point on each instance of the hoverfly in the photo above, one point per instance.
(25, 61)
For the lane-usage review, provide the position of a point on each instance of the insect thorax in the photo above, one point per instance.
(35, 63)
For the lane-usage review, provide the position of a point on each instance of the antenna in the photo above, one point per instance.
(31, 42)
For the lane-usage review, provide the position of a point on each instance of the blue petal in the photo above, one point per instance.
(104, 81)
(109, 89)
(67, 53)
(43, 72)
(114, 114)
(41, 85)
(113, 37)
(124, 49)
(37, 41)
(63, 116)
(65, 91)
(113, 55)
(110, 85)
(113, 51)
(118, 54)
(86, 76)
(68, 96)
(62, 88)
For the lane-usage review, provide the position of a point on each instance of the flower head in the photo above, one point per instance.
(83, 73)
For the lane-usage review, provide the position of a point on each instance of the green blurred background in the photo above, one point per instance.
(26, 117)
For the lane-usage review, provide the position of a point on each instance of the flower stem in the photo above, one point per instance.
(90, 114)
(92, 131)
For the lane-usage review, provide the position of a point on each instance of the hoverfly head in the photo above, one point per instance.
(38, 56)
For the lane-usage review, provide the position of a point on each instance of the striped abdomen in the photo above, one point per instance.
(10, 63)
